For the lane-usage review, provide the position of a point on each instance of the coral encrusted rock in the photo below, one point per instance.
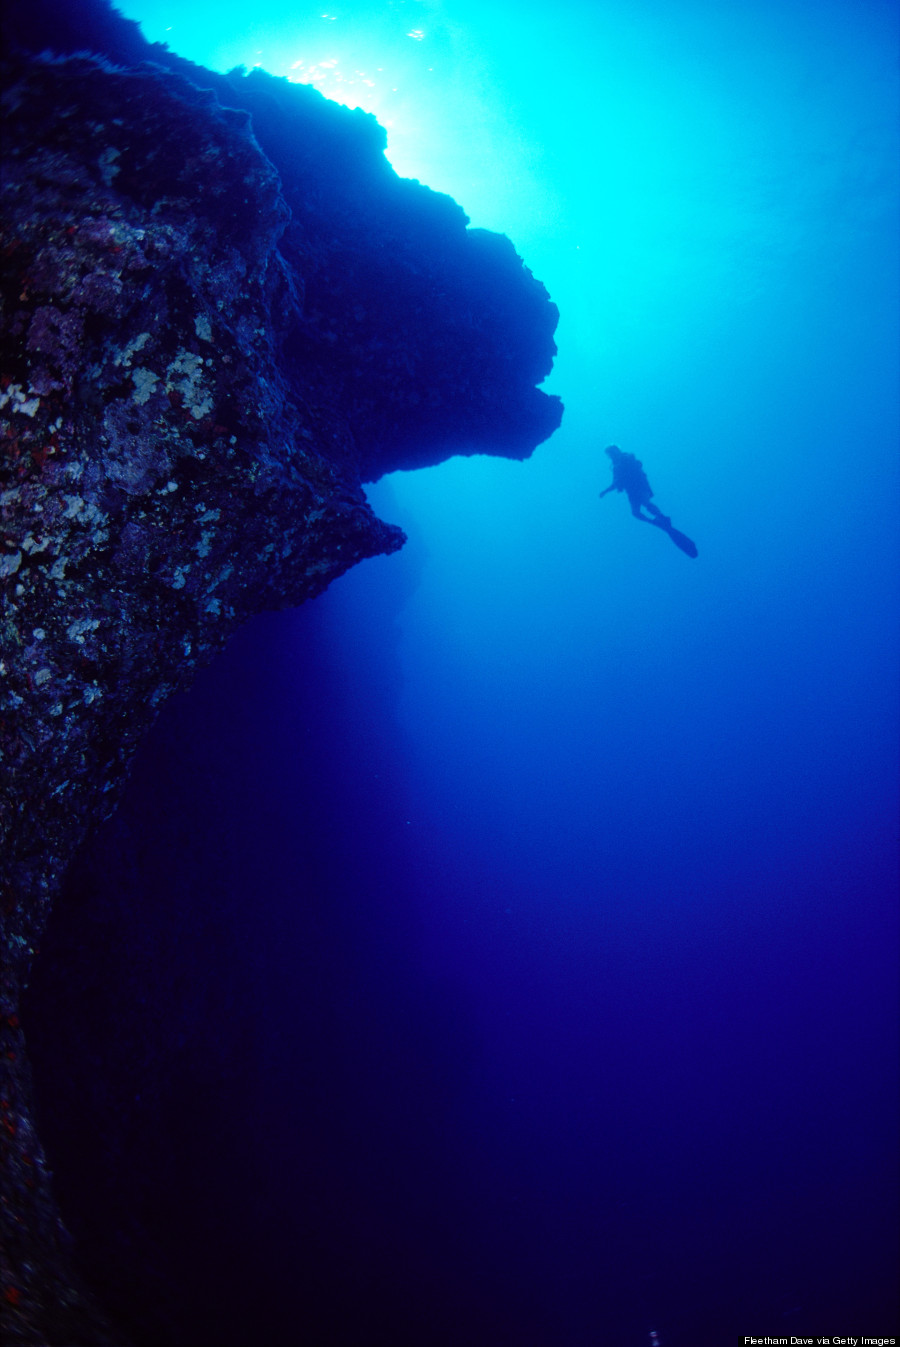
(222, 313)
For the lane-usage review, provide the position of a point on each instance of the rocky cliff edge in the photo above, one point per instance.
(222, 313)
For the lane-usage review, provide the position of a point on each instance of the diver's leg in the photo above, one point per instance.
(658, 517)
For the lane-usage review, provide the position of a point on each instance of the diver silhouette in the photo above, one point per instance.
(629, 476)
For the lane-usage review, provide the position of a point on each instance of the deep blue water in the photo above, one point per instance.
(512, 932)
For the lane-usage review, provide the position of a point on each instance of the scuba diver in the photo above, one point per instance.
(629, 476)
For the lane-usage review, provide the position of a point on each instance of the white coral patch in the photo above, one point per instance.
(184, 376)
(20, 402)
(85, 511)
(76, 631)
(144, 381)
(138, 344)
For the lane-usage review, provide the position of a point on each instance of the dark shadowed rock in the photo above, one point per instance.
(222, 313)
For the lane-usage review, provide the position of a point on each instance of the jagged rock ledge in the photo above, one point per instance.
(222, 312)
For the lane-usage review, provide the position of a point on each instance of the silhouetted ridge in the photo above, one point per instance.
(430, 336)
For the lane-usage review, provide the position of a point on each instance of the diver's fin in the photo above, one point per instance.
(679, 539)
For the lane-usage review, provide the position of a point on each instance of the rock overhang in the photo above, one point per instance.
(223, 312)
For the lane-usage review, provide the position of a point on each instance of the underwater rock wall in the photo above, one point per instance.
(222, 312)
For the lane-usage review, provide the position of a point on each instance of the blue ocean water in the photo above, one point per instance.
(566, 864)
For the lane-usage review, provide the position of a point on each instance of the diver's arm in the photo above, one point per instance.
(612, 487)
